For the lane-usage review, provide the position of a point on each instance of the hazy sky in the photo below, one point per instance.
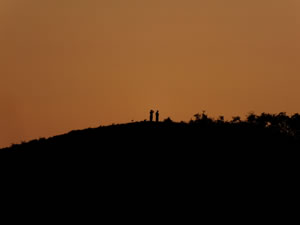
(75, 64)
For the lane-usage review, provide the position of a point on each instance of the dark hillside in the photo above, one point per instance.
(162, 137)
(208, 161)
(258, 136)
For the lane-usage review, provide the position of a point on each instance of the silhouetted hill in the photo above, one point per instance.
(160, 137)
(200, 137)
(263, 140)
(212, 162)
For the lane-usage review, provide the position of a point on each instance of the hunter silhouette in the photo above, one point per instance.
(157, 116)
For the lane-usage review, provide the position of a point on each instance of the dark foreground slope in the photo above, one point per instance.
(162, 139)
(162, 169)
(164, 150)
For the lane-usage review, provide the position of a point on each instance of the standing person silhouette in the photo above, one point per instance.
(157, 116)
(151, 115)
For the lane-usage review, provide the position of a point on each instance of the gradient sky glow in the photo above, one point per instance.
(68, 65)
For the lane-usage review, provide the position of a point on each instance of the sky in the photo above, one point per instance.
(68, 65)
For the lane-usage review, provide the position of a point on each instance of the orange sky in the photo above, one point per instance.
(68, 65)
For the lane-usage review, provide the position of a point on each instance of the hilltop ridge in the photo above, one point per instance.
(257, 132)
(202, 147)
